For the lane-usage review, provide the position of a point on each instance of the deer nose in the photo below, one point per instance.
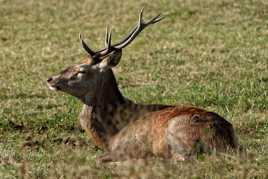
(49, 79)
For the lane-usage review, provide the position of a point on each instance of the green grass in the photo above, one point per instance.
(212, 54)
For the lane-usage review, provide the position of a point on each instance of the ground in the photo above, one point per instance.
(211, 54)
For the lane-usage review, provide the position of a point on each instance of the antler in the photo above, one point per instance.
(108, 39)
(125, 41)
(138, 28)
(86, 47)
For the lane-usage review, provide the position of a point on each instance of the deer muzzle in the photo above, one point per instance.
(52, 83)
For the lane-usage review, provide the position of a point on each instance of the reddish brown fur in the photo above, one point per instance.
(151, 131)
(124, 129)
(128, 130)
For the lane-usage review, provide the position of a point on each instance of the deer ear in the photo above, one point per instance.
(110, 61)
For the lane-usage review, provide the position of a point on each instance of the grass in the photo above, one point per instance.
(212, 54)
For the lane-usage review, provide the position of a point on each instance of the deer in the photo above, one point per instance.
(126, 130)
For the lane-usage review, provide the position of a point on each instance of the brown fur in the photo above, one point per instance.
(128, 130)
(153, 135)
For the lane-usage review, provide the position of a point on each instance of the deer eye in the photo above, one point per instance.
(81, 72)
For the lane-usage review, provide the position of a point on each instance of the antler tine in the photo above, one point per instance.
(109, 40)
(138, 28)
(85, 46)
(155, 19)
(140, 16)
(132, 34)
(108, 43)
(106, 36)
(152, 21)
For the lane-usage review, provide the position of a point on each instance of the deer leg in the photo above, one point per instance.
(178, 157)
(107, 157)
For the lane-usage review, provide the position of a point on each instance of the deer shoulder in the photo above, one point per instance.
(127, 130)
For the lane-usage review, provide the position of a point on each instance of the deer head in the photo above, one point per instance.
(86, 79)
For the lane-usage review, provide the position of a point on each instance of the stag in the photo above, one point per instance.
(127, 130)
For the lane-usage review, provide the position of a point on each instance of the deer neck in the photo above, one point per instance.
(98, 114)
(107, 94)
(108, 112)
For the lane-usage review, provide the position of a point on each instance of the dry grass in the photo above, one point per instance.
(208, 53)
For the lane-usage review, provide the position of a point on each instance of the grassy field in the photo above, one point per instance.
(212, 54)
